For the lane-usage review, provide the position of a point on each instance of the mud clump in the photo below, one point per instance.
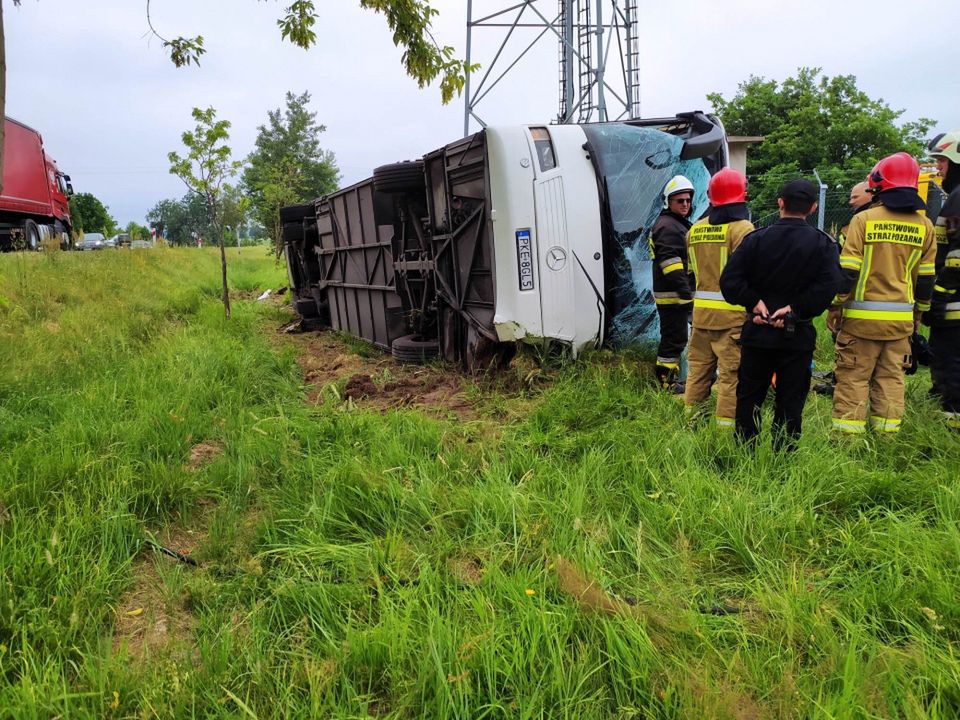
(359, 387)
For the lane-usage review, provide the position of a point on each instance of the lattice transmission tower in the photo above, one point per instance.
(598, 54)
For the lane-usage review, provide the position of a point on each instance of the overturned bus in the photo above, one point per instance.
(533, 234)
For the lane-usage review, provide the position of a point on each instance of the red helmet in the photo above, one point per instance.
(726, 187)
(899, 170)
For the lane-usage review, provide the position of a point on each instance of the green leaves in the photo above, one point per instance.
(813, 122)
(424, 59)
(91, 215)
(185, 51)
(297, 25)
(207, 163)
(288, 165)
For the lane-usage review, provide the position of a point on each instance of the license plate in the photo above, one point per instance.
(525, 259)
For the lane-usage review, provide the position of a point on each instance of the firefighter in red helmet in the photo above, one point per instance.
(714, 352)
(888, 266)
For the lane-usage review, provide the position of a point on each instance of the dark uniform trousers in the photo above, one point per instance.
(757, 367)
(787, 263)
(945, 348)
(673, 330)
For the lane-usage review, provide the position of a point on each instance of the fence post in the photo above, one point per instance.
(821, 206)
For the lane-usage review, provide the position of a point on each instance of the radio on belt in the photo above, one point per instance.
(525, 259)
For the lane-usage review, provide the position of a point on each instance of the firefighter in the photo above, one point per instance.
(714, 353)
(786, 275)
(944, 315)
(888, 264)
(860, 199)
(671, 283)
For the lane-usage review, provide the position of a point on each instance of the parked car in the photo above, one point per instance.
(141, 244)
(92, 241)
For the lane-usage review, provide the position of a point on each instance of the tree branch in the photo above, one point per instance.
(183, 51)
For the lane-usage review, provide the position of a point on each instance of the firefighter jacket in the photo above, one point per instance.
(945, 304)
(888, 264)
(710, 241)
(668, 248)
(789, 263)
(842, 236)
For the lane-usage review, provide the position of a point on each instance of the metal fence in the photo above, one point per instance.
(836, 211)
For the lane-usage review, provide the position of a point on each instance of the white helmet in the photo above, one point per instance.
(945, 145)
(678, 183)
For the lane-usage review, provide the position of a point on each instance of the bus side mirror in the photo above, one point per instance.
(66, 181)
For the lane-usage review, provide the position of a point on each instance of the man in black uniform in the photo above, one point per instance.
(785, 275)
(944, 314)
(671, 282)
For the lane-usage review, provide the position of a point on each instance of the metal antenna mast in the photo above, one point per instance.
(598, 53)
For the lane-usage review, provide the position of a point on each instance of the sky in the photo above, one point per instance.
(110, 105)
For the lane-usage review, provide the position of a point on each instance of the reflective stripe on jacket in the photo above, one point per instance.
(709, 246)
(889, 257)
(945, 304)
(668, 250)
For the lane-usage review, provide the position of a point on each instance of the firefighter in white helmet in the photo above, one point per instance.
(672, 290)
(944, 315)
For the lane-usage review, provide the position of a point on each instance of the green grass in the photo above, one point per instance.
(356, 564)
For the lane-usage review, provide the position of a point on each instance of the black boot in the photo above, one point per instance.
(668, 378)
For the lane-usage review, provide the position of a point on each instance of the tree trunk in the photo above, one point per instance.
(223, 273)
(218, 229)
(3, 91)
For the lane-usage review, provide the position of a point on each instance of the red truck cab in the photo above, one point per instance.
(34, 204)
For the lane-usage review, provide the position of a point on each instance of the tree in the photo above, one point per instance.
(136, 231)
(410, 20)
(236, 206)
(3, 87)
(182, 221)
(91, 215)
(288, 165)
(204, 171)
(813, 122)
(166, 218)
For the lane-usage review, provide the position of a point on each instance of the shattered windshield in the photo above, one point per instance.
(635, 164)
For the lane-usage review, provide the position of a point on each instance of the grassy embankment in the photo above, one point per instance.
(556, 553)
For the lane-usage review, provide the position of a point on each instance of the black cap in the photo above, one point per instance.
(803, 190)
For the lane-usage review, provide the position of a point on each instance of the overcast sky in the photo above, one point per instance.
(111, 105)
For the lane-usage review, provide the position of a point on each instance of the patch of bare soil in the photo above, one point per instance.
(202, 453)
(338, 367)
(424, 388)
(276, 297)
(150, 619)
(466, 570)
(379, 382)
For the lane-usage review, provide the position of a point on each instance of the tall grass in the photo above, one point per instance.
(589, 557)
